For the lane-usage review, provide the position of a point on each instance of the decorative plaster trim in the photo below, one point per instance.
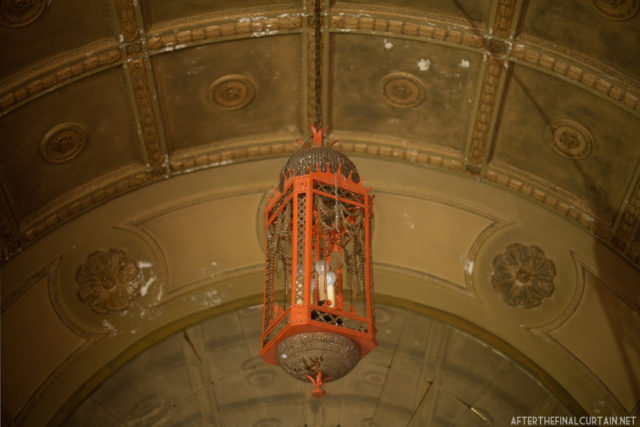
(82, 199)
(551, 196)
(402, 14)
(9, 236)
(398, 149)
(444, 30)
(488, 102)
(545, 330)
(495, 225)
(579, 70)
(259, 23)
(52, 74)
(50, 271)
(137, 227)
(628, 221)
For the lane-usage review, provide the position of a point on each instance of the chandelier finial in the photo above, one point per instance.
(318, 135)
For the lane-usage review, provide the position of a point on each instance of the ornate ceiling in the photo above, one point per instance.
(496, 134)
(101, 98)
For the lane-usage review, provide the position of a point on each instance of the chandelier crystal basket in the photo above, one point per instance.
(319, 318)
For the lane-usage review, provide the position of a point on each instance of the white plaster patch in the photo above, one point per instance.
(145, 288)
(109, 327)
(210, 298)
(468, 267)
(264, 33)
(424, 64)
(144, 264)
(464, 63)
(387, 44)
(409, 223)
(252, 18)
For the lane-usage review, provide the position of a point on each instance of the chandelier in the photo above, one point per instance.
(318, 319)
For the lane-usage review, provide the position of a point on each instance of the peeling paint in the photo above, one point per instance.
(145, 288)
(464, 63)
(468, 267)
(264, 33)
(252, 18)
(424, 64)
(109, 327)
(211, 298)
(409, 223)
(211, 165)
(387, 44)
(144, 264)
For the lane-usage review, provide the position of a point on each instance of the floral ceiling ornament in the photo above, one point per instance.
(402, 90)
(231, 92)
(570, 139)
(523, 275)
(617, 10)
(63, 142)
(19, 13)
(108, 281)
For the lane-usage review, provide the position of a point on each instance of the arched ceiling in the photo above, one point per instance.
(494, 134)
(100, 98)
(421, 374)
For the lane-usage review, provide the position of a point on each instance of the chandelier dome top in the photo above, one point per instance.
(318, 157)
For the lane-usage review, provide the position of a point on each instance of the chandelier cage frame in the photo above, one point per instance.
(319, 312)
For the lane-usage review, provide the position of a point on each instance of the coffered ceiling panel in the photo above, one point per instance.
(62, 25)
(570, 137)
(159, 11)
(505, 123)
(416, 91)
(467, 10)
(606, 31)
(230, 90)
(80, 134)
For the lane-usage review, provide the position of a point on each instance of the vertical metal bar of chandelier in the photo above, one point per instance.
(319, 317)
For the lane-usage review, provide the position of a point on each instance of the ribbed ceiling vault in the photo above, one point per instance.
(500, 138)
(487, 77)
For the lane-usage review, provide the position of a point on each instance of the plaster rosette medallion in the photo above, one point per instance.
(523, 275)
(231, 92)
(18, 13)
(618, 10)
(402, 90)
(63, 142)
(570, 139)
(108, 281)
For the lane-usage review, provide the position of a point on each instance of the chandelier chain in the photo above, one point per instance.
(318, 63)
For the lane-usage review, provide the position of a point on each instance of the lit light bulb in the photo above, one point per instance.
(331, 289)
(322, 266)
(331, 278)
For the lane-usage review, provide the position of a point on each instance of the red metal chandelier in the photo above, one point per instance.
(319, 315)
